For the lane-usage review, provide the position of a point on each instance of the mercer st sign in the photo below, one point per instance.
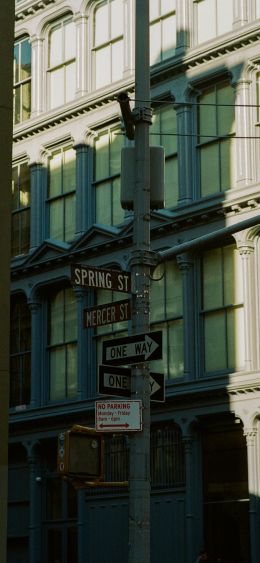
(99, 278)
(133, 349)
(108, 313)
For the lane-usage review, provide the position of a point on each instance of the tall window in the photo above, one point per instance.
(216, 145)
(107, 177)
(214, 17)
(164, 132)
(22, 81)
(20, 232)
(62, 64)
(62, 341)
(108, 42)
(162, 30)
(62, 194)
(167, 315)
(20, 352)
(222, 310)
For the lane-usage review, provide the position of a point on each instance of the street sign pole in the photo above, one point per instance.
(139, 480)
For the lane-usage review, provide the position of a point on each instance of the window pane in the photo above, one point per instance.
(56, 219)
(101, 24)
(17, 105)
(226, 111)
(116, 144)
(57, 318)
(54, 499)
(26, 100)
(16, 63)
(215, 342)
(227, 165)
(168, 37)
(24, 185)
(69, 170)
(171, 182)
(55, 48)
(206, 20)
(57, 374)
(103, 203)
(15, 246)
(15, 189)
(175, 349)
(70, 41)
(173, 285)
(116, 18)
(102, 157)
(154, 9)
(25, 60)
(103, 73)
(212, 279)
(155, 43)
(236, 344)
(209, 169)
(118, 212)
(207, 116)
(169, 131)
(224, 16)
(56, 87)
(157, 294)
(70, 217)
(25, 231)
(117, 61)
(70, 82)
(71, 370)
(70, 329)
(55, 185)
(167, 6)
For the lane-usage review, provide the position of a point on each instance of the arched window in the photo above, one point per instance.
(61, 63)
(108, 42)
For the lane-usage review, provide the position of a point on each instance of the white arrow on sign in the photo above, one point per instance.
(145, 347)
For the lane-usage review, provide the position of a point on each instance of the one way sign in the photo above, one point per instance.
(133, 349)
(117, 381)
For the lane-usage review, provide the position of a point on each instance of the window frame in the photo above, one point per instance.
(24, 384)
(20, 83)
(21, 211)
(63, 64)
(63, 196)
(62, 345)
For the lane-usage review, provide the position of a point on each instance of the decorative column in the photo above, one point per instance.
(182, 26)
(246, 251)
(37, 75)
(37, 205)
(35, 551)
(184, 113)
(240, 8)
(82, 54)
(243, 120)
(129, 26)
(84, 199)
(185, 263)
(252, 437)
(36, 352)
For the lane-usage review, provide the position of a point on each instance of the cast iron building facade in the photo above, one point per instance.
(71, 60)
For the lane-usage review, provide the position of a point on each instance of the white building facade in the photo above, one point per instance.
(71, 60)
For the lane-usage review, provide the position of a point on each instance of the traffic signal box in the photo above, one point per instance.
(81, 454)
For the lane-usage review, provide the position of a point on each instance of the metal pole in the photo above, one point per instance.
(139, 497)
